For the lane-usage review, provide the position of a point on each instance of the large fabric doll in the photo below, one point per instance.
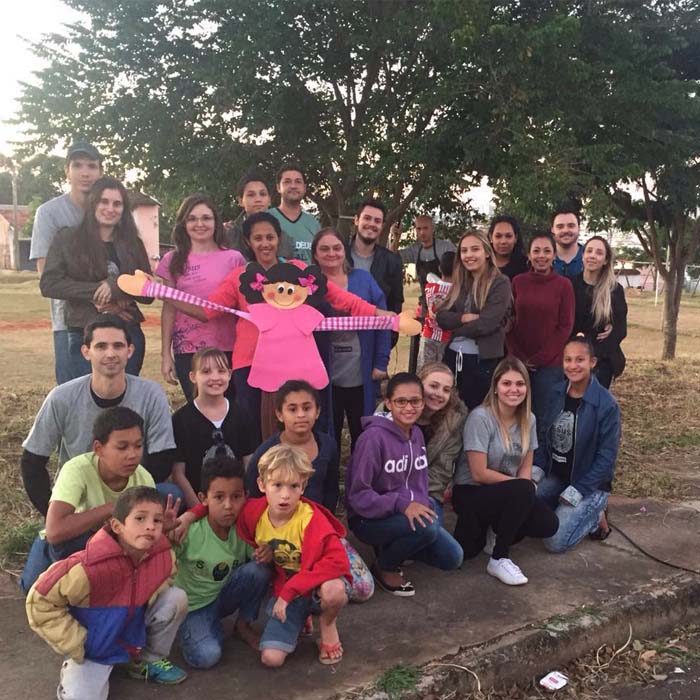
(281, 303)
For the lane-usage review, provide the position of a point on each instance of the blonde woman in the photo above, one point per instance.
(493, 481)
(601, 309)
(475, 311)
(441, 422)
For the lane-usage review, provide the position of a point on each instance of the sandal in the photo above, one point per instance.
(405, 590)
(330, 654)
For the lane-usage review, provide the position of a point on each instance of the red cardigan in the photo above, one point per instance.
(229, 294)
(323, 555)
(544, 318)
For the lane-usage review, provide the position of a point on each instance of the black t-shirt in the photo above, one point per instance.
(564, 439)
(112, 254)
(428, 432)
(195, 434)
(106, 403)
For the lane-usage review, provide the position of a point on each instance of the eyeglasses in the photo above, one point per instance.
(402, 403)
(206, 219)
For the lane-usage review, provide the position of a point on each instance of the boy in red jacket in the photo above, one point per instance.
(312, 573)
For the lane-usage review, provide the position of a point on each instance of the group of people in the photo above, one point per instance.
(158, 526)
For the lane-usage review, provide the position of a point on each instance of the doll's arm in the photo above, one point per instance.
(140, 284)
(402, 323)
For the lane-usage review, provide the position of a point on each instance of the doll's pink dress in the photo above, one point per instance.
(286, 347)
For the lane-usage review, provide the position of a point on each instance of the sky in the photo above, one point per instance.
(24, 20)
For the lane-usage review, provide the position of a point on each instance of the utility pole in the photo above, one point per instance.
(15, 212)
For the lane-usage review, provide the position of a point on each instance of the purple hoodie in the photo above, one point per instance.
(387, 470)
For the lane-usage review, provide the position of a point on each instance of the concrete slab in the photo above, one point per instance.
(451, 611)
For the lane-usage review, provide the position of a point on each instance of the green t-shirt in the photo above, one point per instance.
(205, 562)
(301, 231)
(79, 484)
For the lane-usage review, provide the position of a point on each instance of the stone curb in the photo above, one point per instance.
(532, 651)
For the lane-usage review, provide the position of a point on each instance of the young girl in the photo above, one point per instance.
(601, 309)
(475, 311)
(386, 488)
(209, 423)
(441, 422)
(83, 264)
(582, 440)
(507, 244)
(199, 263)
(544, 317)
(297, 409)
(493, 482)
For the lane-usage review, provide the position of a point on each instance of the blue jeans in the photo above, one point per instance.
(79, 366)
(575, 522)
(396, 541)
(285, 635)
(542, 382)
(61, 356)
(42, 555)
(202, 634)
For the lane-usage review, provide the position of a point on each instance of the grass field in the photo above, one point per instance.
(660, 454)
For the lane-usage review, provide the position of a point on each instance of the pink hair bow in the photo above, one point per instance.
(260, 280)
(308, 282)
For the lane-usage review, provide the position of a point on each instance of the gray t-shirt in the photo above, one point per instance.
(361, 262)
(50, 218)
(65, 418)
(346, 359)
(482, 434)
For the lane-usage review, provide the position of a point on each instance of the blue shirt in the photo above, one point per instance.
(570, 269)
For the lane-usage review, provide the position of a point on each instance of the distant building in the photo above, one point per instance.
(7, 220)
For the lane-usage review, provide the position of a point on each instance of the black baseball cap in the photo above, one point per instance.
(83, 148)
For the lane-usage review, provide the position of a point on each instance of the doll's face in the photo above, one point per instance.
(284, 295)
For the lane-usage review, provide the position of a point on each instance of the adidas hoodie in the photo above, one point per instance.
(387, 470)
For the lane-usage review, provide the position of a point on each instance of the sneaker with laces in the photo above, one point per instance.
(161, 671)
(490, 541)
(506, 571)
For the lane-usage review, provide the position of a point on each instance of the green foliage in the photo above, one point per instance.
(398, 679)
(192, 94)
(38, 177)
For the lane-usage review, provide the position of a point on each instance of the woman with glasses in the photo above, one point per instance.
(208, 425)
(386, 488)
(199, 263)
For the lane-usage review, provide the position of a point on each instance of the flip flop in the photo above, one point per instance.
(325, 651)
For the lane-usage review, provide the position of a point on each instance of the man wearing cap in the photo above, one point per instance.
(83, 167)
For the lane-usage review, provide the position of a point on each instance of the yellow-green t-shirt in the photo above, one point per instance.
(285, 540)
(79, 483)
(205, 562)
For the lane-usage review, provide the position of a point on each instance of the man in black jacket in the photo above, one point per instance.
(366, 253)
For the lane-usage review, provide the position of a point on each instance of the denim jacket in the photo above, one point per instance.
(597, 437)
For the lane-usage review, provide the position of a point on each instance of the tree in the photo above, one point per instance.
(191, 94)
(618, 127)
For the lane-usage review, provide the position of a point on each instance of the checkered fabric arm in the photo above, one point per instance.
(359, 323)
(161, 291)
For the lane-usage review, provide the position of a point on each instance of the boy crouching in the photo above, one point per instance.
(312, 573)
(113, 602)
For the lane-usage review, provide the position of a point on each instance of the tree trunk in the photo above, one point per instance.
(673, 288)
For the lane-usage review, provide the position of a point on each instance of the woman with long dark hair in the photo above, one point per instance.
(83, 264)
(601, 309)
(199, 263)
(475, 311)
(507, 243)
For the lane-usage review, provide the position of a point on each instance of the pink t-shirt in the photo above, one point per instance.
(203, 273)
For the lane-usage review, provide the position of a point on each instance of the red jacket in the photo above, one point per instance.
(323, 555)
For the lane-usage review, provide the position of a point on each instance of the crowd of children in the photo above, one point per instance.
(513, 431)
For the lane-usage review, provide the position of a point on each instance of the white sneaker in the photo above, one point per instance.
(490, 541)
(506, 571)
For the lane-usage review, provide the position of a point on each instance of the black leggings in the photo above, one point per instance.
(509, 507)
(348, 401)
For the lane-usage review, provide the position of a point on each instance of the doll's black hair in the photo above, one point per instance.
(255, 276)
